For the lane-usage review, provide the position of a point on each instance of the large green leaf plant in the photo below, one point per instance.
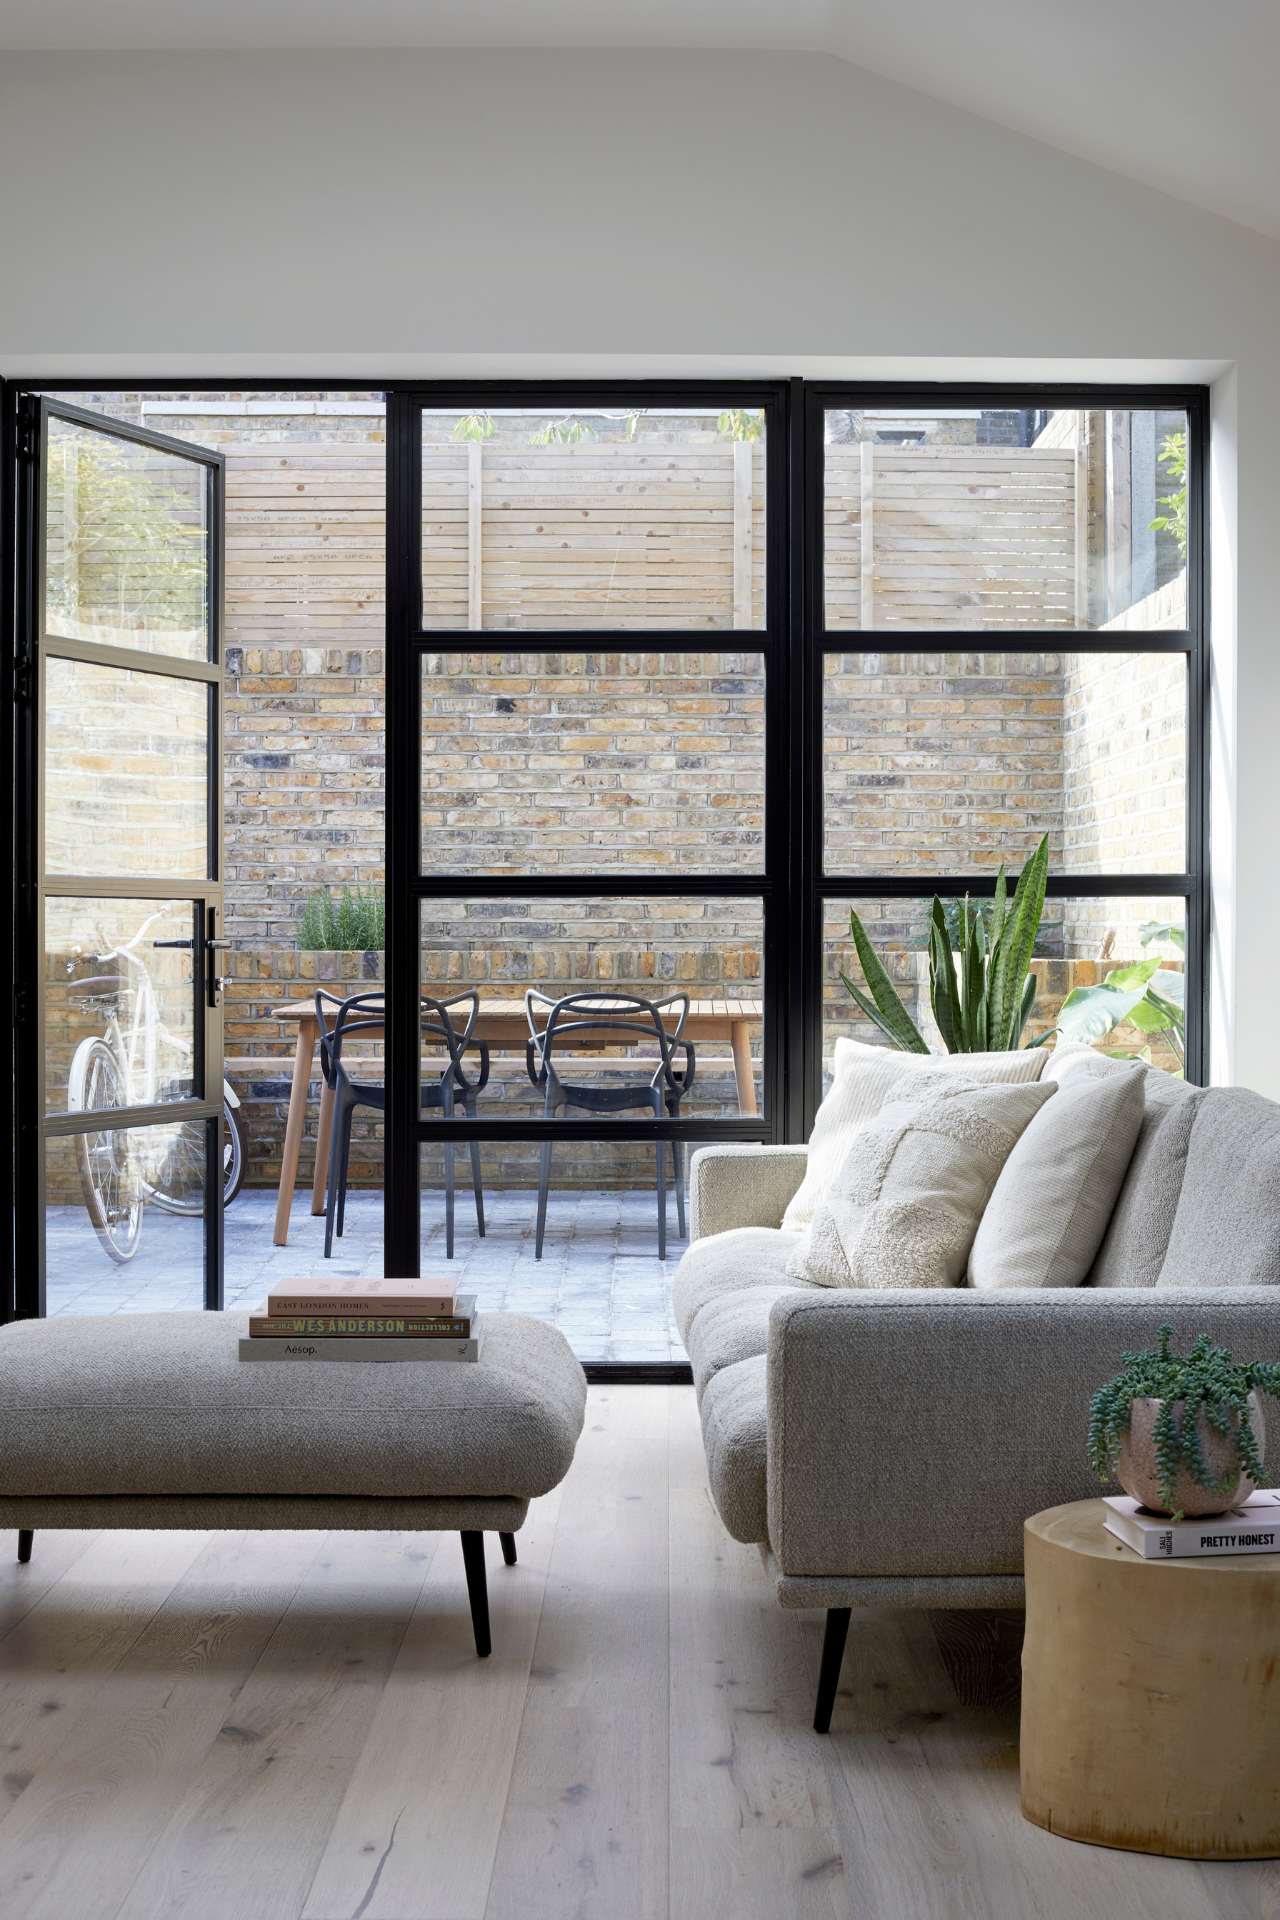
(1150, 998)
(985, 1005)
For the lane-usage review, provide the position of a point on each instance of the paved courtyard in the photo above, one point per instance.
(599, 1280)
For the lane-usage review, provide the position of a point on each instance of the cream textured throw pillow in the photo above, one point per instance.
(1055, 1197)
(864, 1078)
(904, 1207)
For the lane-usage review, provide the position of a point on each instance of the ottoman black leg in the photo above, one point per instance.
(477, 1591)
(27, 1534)
(508, 1548)
(829, 1673)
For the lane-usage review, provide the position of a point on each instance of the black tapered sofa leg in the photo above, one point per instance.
(508, 1541)
(477, 1591)
(829, 1674)
(27, 1534)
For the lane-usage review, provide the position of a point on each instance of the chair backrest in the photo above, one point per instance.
(365, 1013)
(588, 1019)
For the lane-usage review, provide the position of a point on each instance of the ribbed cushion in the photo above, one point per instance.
(1226, 1232)
(727, 1263)
(160, 1403)
(734, 1439)
(732, 1327)
(1133, 1250)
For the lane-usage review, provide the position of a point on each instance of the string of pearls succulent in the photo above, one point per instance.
(1206, 1376)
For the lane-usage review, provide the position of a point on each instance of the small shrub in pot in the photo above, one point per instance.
(1182, 1433)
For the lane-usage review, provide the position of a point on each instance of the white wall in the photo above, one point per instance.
(415, 213)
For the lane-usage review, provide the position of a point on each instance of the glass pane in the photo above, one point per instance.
(1081, 943)
(978, 519)
(534, 761)
(652, 518)
(126, 769)
(1084, 942)
(124, 1220)
(119, 1007)
(949, 762)
(710, 949)
(600, 1280)
(126, 544)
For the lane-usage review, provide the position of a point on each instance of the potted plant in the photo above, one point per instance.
(1183, 1434)
(983, 1006)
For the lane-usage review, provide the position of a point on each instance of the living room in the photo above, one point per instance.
(893, 307)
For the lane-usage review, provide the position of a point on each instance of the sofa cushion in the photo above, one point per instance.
(864, 1078)
(732, 1327)
(1134, 1246)
(734, 1440)
(903, 1209)
(1052, 1203)
(730, 1262)
(161, 1403)
(1072, 1057)
(1226, 1231)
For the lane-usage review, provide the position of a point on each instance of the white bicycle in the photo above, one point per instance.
(139, 1065)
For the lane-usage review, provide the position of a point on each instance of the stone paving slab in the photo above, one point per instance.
(599, 1280)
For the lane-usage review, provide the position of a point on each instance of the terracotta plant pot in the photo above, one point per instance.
(1139, 1475)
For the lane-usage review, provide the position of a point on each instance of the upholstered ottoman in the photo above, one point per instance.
(152, 1420)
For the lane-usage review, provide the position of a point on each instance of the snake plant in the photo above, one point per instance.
(985, 1007)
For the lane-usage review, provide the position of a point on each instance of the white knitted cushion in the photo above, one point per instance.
(904, 1207)
(864, 1078)
(1052, 1203)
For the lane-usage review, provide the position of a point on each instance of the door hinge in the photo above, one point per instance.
(28, 434)
(21, 1006)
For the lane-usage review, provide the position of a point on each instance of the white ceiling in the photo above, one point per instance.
(1175, 93)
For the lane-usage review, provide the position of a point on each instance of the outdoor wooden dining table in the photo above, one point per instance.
(503, 1025)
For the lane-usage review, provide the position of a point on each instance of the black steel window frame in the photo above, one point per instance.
(26, 412)
(408, 885)
(815, 886)
(794, 560)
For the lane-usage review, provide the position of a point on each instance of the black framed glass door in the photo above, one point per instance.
(587, 755)
(119, 923)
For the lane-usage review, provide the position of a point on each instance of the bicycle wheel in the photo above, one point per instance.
(109, 1178)
(179, 1187)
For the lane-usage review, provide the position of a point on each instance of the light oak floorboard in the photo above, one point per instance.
(418, 1829)
(928, 1802)
(585, 1832)
(74, 1841)
(743, 1751)
(759, 1874)
(246, 1837)
(56, 1660)
(22, 1586)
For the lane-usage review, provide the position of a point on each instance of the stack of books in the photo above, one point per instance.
(1251, 1526)
(364, 1320)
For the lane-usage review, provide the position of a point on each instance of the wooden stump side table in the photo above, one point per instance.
(1150, 1706)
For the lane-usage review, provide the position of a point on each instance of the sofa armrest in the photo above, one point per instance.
(912, 1433)
(742, 1187)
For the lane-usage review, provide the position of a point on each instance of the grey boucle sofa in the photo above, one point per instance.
(884, 1448)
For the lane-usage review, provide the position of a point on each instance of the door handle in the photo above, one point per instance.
(214, 945)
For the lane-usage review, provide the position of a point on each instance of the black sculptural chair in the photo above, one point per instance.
(364, 1013)
(582, 1019)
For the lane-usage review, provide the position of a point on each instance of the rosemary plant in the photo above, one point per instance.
(1206, 1376)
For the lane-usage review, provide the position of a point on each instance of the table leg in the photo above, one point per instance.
(743, 1071)
(293, 1127)
(324, 1134)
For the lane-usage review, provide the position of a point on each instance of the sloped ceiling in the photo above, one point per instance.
(1176, 93)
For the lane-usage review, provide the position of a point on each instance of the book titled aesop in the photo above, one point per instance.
(367, 1326)
(357, 1352)
(418, 1299)
(1251, 1526)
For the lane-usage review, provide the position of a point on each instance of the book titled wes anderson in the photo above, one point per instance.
(459, 1325)
(1251, 1526)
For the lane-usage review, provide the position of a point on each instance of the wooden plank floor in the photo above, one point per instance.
(295, 1727)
